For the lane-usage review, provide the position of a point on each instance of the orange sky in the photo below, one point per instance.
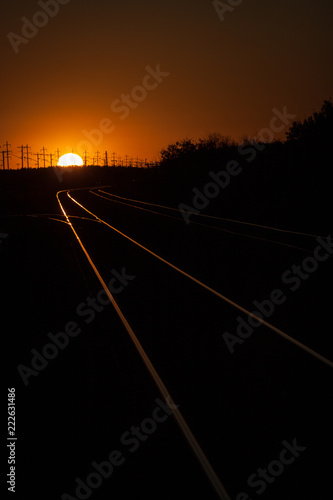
(70, 75)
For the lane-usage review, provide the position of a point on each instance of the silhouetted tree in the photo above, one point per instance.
(188, 156)
(317, 128)
(215, 141)
(178, 150)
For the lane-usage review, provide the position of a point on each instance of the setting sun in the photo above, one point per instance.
(70, 160)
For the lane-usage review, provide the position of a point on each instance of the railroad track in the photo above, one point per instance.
(200, 283)
(71, 197)
(189, 436)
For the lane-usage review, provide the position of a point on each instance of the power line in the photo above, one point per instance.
(51, 157)
(113, 159)
(85, 158)
(3, 159)
(43, 154)
(27, 148)
(97, 158)
(22, 157)
(7, 153)
(37, 161)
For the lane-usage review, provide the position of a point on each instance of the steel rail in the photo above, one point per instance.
(196, 448)
(215, 292)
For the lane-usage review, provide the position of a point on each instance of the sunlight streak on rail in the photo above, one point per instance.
(215, 217)
(204, 225)
(197, 450)
(216, 293)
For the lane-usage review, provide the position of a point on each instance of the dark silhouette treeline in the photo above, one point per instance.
(282, 182)
(310, 136)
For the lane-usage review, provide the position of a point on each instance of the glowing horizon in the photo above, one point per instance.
(137, 102)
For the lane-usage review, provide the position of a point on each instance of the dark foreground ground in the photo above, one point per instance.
(244, 408)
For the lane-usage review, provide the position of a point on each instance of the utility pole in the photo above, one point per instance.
(43, 154)
(106, 162)
(85, 158)
(126, 159)
(51, 156)
(27, 148)
(22, 156)
(97, 157)
(37, 154)
(114, 159)
(58, 154)
(7, 153)
(3, 159)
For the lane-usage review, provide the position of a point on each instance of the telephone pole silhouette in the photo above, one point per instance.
(85, 158)
(51, 157)
(43, 154)
(106, 162)
(7, 153)
(37, 161)
(97, 157)
(22, 156)
(3, 159)
(113, 159)
(58, 154)
(27, 148)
